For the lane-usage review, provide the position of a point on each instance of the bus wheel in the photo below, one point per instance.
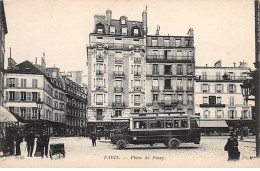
(121, 144)
(174, 143)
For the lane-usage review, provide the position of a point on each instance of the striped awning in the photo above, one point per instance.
(6, 116)
(212, 124)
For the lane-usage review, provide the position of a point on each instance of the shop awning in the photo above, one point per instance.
(6, 116)
(212, 124)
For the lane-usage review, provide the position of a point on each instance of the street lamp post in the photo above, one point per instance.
(39, 107)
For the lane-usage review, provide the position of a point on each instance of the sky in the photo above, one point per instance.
(224, 29)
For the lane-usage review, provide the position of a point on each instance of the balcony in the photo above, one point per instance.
(137, 60)
(99, 88)
(168, 103)
(137, 73)
(137, 88)
(190, 88)
(118, 46)
(169, 58)
(168, 73)
(155, 72)
(212, 105)
(220, 78)
(118, 104)
(155, 88)
(118, 59)
(99, 103)
(179, 88)
(167, 88)
(100, 72)
(100, 58)
(99, 117)
(119, 74)
(118, 89)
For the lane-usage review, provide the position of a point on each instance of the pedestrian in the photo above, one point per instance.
(18, 139)
(232, 147)
(30, 143)
(44, 144)
(93, 137)
(10, 141)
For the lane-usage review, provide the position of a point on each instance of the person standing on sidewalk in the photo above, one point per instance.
(18, 139)
(44, 143)
(30, 143)
(93, 137)
(232, 148)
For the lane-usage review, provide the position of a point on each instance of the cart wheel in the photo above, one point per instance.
(50, 154)
(174, 143)
(121, 144)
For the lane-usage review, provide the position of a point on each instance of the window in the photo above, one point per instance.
(190, 85)
(34, 83)
(178, 42)
(56, 117)
(23, 112)
(212, 100)
(155, 84)
(179, 97)
(232, 101)
(136, 32)
(140, 124)
(100, 30)
(112, 29)
(167, 69)
(118, 113)
(34, 112)
(167, 43)
(23, 82)
(118, 98)
(168, 99)
(34, 96)
(190, 100)
(231, 88)
(205, 88)
(176, 123)
(218, 100)
(124, 30)
(123, 21)
(12, 82)
(218, 77)
(218, 88)
(167, 84)
(244, 114)
(155, 97)
(219, 114)
(155, 69)
(206, 114)
(23, 96)
(205, 100)
(154, 42)
(204, 75)
(169, 124)
(179, 69)
(137, 70)
(231, 114)
(11, 95)
(137, 99)
(99, 99)
(179, 84)
(156, 124)
(155, 56)
(189, 71)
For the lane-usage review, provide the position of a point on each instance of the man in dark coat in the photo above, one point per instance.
(93, 137)
(18, 139)
(44, 143)
(30, 142)
(232, 148)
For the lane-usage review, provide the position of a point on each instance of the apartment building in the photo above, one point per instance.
(26, 83)
(218, 96)
(116, 68)
(76, 107)
(170, 73)
(3, 32)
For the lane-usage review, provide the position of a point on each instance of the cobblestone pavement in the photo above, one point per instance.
(80, 153)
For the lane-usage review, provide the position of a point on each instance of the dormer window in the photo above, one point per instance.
(99, 30)
(124, 30)
(123, 21)
(112, 29)
(135, 32)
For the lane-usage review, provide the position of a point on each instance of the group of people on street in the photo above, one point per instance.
(18, 144)
(232, 147)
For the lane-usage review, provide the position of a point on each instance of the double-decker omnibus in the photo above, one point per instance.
(168, 128)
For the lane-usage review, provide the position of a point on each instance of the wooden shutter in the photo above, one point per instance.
(215, 88)
(38, 95)
(7, 95)
(227, 88)
(216, 116)
(208, 113)
(222, 89)
(16, 82)
(28, 96)
(235, 114)
(235, 88)
(208, 88)
(201, 86)
(7, 82)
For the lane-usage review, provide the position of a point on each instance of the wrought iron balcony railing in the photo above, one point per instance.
(118, 104)
(137, 88)
(118, 89)
(99, 72)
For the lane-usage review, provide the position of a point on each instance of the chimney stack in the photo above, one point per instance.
(108, 16)
(35, 60)
(157, 30)
(234, 64)
(144, 17)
